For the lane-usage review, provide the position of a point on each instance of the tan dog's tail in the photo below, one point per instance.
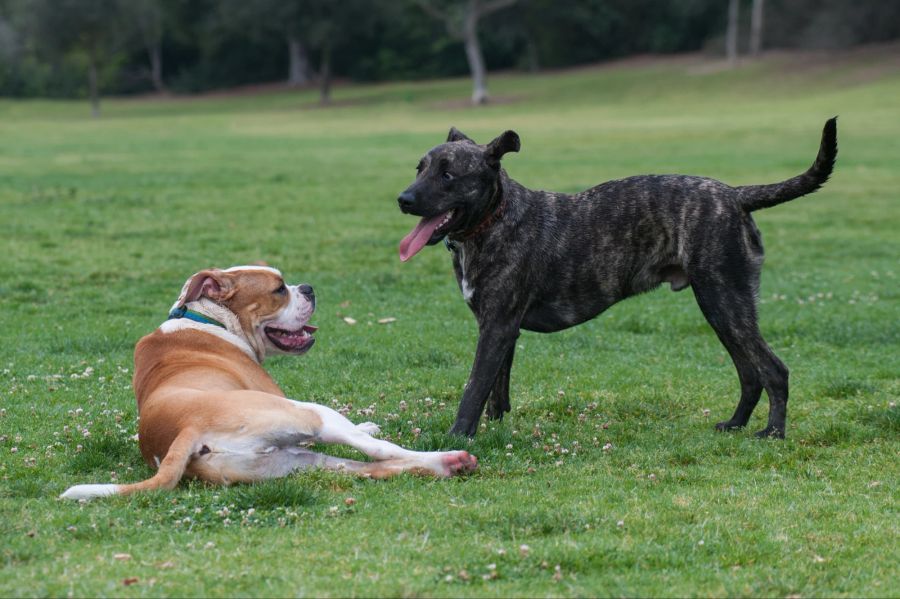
(171, 469)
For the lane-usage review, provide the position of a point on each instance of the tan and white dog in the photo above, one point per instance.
(208, 409)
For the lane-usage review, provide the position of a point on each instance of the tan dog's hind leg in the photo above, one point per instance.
(170, 471)
(268, 446)
(291, 459)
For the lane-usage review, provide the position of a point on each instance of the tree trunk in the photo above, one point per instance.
(756, 27)
(532, 62)
(93, 88)
(156, 67)
(325, 75)
(731, 33)
(473, 54)
(298, 69)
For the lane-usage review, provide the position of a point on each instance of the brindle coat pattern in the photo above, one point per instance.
(549, 261)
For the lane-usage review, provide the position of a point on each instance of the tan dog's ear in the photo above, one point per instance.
(212, 283)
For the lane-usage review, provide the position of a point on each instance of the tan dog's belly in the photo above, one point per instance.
(242, 433)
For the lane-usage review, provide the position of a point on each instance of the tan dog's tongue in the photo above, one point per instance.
(419, 236)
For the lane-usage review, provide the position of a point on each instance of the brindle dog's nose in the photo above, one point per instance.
(406, 200)
(308, 293)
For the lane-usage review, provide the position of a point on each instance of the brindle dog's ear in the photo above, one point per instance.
(508, 141)
(457, 135)
(212, 283)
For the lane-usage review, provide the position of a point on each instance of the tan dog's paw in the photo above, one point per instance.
(370, 428)
(457, 462)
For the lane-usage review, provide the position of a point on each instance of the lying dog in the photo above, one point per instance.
(208, 409)
(547, 261)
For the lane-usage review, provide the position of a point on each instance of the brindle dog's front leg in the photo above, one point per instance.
(498, 402)
(495, 344)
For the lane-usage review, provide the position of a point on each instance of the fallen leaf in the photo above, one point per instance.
(130, 581)
(349, 320)
(387, 320)
(122, 556)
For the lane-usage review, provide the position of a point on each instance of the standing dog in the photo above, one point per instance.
(547, 261)
(208, 409)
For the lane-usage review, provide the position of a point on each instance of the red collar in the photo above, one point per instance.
(489, 220)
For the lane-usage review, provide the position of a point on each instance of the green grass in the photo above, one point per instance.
(101, 222)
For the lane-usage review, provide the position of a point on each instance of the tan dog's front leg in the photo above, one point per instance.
(338, 429)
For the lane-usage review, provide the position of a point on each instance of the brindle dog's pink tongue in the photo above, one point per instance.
(418, 237)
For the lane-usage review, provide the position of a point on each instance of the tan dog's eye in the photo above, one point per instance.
(281, 290)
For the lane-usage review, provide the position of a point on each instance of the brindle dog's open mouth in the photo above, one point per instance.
(296, 342)
(429, 231)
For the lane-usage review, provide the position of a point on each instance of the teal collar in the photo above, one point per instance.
(183, 312)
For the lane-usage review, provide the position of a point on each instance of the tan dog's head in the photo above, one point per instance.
(272, 316)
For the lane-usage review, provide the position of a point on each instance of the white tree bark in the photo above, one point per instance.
(156, 68)
(756, 27)
(467, 31)
(731, 33)
(298, 68)
(474, 55)
(325, 75)
(93, 87)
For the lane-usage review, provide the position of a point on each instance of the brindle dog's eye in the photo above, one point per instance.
(281, 290)
(447, 176)
(419, 167)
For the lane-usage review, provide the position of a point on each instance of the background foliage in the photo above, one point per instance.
(210, 44)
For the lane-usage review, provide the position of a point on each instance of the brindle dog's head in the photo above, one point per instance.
(455, 188)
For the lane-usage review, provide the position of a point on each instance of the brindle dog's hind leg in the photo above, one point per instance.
(730, 308)
(498, 402)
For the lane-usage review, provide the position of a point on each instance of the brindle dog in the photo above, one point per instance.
(547, 261)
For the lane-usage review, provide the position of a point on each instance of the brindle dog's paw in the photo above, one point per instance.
(464, 429)
(770, 432)
(729, 425)
(496, 410)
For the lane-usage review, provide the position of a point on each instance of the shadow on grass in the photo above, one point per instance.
(105, 453)
(844, 387)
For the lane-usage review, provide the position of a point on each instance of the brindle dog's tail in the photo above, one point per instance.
(756, 197)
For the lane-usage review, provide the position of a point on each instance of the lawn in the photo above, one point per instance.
(606, 479)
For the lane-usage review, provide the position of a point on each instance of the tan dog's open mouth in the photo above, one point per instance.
(297, 341)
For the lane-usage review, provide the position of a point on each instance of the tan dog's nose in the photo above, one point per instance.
(308, 293)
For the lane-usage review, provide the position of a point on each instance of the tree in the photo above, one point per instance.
(89, 29)
(299, 71)
(283, 18)
(306, 26)
(731, 33)
(756, 27)
(147, 18)
(461, 22)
